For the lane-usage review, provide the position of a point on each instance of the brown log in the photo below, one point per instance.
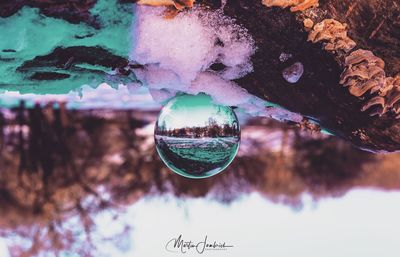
(319, 95)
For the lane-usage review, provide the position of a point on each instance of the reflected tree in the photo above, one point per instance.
(61, 168)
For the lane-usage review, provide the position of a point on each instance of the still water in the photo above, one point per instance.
(361, 223)
(90, 183)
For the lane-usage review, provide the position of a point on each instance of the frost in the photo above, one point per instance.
(177, 55)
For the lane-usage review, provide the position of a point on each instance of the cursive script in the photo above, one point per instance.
(180, 245)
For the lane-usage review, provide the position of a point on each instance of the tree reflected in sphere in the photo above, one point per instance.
(195, 137)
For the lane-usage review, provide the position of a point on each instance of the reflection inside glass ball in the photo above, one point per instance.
(195, 137)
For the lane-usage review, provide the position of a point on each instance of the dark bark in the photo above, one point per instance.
(374, 25)
(318, 95)
(74, 11)
(65, 58)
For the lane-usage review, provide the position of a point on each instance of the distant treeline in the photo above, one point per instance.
(211, 130)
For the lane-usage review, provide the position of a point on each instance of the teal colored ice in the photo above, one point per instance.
(28, 34)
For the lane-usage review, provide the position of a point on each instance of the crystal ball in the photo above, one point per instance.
(195, 137)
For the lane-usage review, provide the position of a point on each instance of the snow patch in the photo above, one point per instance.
(190, 42)
(222, 91)
(178, 56)
(86, 97)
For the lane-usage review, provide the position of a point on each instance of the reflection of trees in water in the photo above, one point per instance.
(62, 167)
(56, 166)
(329, 164)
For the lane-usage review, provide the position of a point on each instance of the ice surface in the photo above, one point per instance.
(104, 96)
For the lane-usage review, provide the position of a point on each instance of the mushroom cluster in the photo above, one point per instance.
(388, 99)
(178, 4)
(333, 34)
(365, 73)
(296, 5)
(173, 6)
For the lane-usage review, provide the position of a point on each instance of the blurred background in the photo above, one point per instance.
(87, 181)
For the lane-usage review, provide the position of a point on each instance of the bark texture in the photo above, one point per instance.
(373, 25)
(318, 95)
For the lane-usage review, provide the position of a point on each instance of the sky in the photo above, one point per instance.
(194, 111)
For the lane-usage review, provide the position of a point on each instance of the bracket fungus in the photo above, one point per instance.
(178, 4)
(308, 24)
(173, 6)
(333, 34)
(236, 44)
(364, 72)
(388, 99)
(296, 5)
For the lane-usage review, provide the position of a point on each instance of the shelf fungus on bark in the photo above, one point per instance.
(364, 72)
(308, 24)
(296, 5)
(333, 34)
(387, 100)
(173, 6)
(178, 4)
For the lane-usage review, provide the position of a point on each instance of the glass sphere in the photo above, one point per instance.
(195, 137)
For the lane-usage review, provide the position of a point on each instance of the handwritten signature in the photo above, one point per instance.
(180, 245)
